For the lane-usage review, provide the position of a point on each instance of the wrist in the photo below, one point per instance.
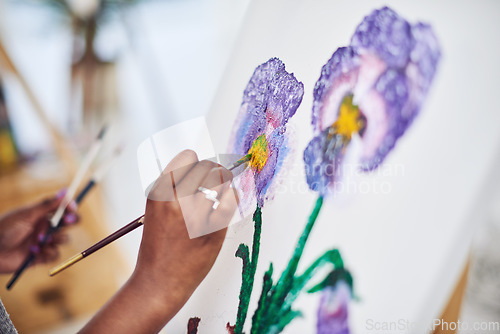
(164, 297)
(135, 308)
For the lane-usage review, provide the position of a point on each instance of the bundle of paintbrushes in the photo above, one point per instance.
(57, 220)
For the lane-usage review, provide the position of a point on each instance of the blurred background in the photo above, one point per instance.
(67, 68)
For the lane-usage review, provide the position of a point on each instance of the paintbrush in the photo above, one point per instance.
(96, 177)
(120, 233)
(77, 179)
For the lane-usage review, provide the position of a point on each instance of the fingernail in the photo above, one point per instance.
(70, 218)
(72, 206)
(40, 236)
(34, 249)
(61, 193)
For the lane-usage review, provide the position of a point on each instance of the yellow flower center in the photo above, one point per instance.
(350, 119)
(259, 152)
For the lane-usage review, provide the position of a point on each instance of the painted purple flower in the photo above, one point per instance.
(371, 89)
(333, 309)
(271, 97)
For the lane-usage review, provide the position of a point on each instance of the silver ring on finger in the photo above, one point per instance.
(210, 195)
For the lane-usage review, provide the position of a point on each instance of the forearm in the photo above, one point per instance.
(134, 309)
(170, 265)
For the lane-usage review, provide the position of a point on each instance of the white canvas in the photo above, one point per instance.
(407, 246)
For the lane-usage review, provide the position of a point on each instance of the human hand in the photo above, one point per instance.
(170, 265)
(22, 230)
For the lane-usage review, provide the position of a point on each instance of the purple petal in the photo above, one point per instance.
(264, 178)
(322, 158)
(386, 34)
(425, 54)
(388, 68)
(393, 89)
(339, 75)
(271, 97)
(333, 310)
(276, 89)
(253, 124)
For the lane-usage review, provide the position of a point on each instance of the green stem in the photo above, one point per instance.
(248, 272)
(267, 285)
(285, 283)
(331, 256)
